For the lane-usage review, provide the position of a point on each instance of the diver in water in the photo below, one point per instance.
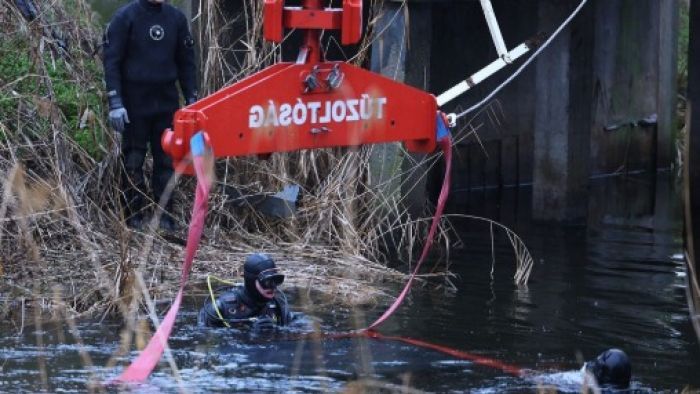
(609, 373)
(612, 370)
(257, 303)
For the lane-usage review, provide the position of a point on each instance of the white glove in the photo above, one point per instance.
(118, 119)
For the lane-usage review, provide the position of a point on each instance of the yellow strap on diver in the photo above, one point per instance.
(213, 299)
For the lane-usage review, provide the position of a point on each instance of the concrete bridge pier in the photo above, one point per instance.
(402, 52)
(564, 79)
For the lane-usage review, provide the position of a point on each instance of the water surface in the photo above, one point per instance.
(618, 282)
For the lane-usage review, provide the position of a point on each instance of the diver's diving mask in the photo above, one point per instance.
(270, 278)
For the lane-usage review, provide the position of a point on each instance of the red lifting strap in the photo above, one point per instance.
(141, 368)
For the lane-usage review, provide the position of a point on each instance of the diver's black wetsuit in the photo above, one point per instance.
(238, 307)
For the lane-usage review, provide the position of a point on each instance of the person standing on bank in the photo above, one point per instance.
(147, 49)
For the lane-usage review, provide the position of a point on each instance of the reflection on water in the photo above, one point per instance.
(617, 283)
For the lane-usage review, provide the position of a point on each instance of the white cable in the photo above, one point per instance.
(527, 63)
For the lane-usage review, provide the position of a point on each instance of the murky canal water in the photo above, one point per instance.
(620, 282)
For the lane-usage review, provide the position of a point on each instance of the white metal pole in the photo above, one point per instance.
(495, 30)
(481, 75)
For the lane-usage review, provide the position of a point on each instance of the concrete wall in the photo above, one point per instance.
(633, 59)
(562, 127)
(614, 65)
(403, 53)
(634, 79)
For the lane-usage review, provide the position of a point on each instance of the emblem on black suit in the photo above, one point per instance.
(157, 33)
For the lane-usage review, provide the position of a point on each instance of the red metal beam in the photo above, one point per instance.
(275, 111)
(313, 17)
(330, 19)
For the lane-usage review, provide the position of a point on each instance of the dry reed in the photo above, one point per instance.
(60, 217)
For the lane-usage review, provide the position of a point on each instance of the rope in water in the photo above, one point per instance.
(213, 297)
(459, 354)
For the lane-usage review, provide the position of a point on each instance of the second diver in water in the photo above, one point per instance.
(612, 370)
(257, 302)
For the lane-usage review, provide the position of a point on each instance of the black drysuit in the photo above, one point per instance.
(147, 49)
(238, 306)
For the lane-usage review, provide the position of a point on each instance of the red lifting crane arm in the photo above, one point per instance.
(310, 103)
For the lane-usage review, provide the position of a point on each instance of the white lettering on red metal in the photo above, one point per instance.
(316, 112)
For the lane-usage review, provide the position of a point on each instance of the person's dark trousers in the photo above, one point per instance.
(144, 131)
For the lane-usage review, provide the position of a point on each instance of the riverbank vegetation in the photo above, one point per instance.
(61, 232)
